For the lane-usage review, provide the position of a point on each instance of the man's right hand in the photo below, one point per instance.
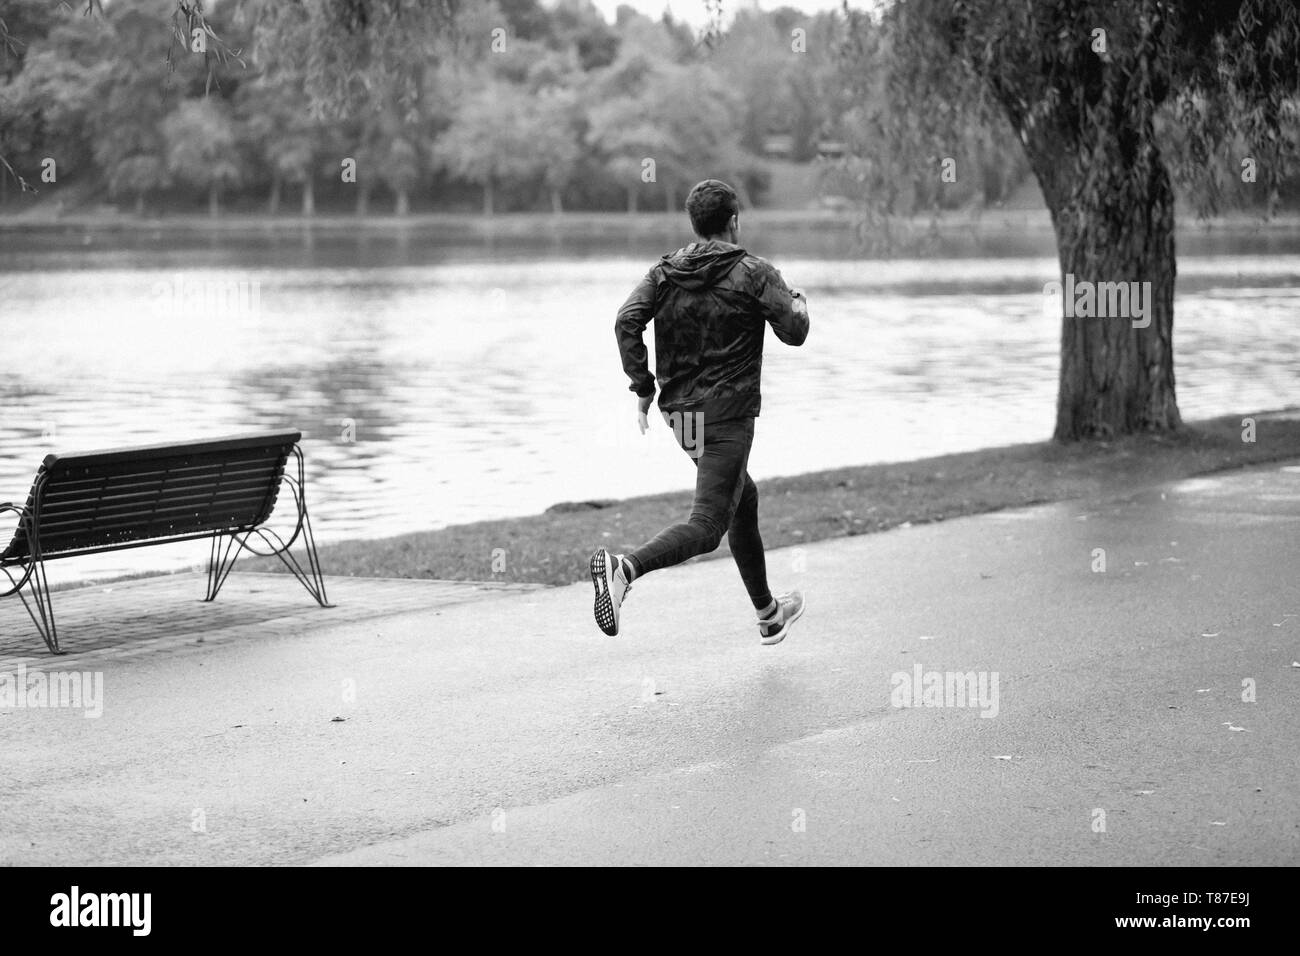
(642, 407)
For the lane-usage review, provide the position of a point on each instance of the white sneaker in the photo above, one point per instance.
(789, 608)
(611, 587)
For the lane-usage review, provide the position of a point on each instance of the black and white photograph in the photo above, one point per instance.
(650, 433)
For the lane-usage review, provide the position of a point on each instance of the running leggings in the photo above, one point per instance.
(726, 502)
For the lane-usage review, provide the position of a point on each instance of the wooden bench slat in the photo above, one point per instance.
(71, 487)
(195, 492)
(139, 531)
(241, 504)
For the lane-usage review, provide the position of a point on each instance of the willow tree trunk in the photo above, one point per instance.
(1112, 208)
(1117, 364)
(308, 196)
(402, 202)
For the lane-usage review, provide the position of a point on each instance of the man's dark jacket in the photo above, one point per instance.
(710, 302)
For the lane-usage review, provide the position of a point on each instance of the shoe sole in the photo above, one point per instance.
(779, 636)
(604, 611)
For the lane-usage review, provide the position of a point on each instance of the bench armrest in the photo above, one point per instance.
(21, 512)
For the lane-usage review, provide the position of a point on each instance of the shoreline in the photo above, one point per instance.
(509, 224)
(552, 547)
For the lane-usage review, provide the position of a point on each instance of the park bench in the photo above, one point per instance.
(223, 489)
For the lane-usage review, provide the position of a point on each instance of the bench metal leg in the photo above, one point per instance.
(226, 549)
(42, 614)
(310, 577)
(221, 560)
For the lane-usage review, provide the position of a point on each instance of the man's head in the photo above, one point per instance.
(713, 206)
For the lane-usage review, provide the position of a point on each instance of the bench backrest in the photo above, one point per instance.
(107, 500)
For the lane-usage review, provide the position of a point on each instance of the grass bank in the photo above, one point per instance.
(552, 548)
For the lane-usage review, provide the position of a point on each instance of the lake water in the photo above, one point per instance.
(442, 378)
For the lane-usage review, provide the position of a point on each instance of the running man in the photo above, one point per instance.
(709, 302)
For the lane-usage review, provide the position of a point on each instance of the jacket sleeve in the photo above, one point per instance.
(633, 317)
(776, 306)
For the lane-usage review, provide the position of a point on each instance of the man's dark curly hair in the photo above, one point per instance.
(710, 204)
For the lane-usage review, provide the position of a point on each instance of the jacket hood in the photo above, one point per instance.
(701, 264)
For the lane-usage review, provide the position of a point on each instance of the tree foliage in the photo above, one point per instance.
(1112, 102)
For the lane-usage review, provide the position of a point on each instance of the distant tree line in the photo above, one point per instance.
(393, 105)
(496, 104)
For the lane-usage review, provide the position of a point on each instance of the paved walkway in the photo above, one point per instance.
(1146, 713)
(149, 616)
